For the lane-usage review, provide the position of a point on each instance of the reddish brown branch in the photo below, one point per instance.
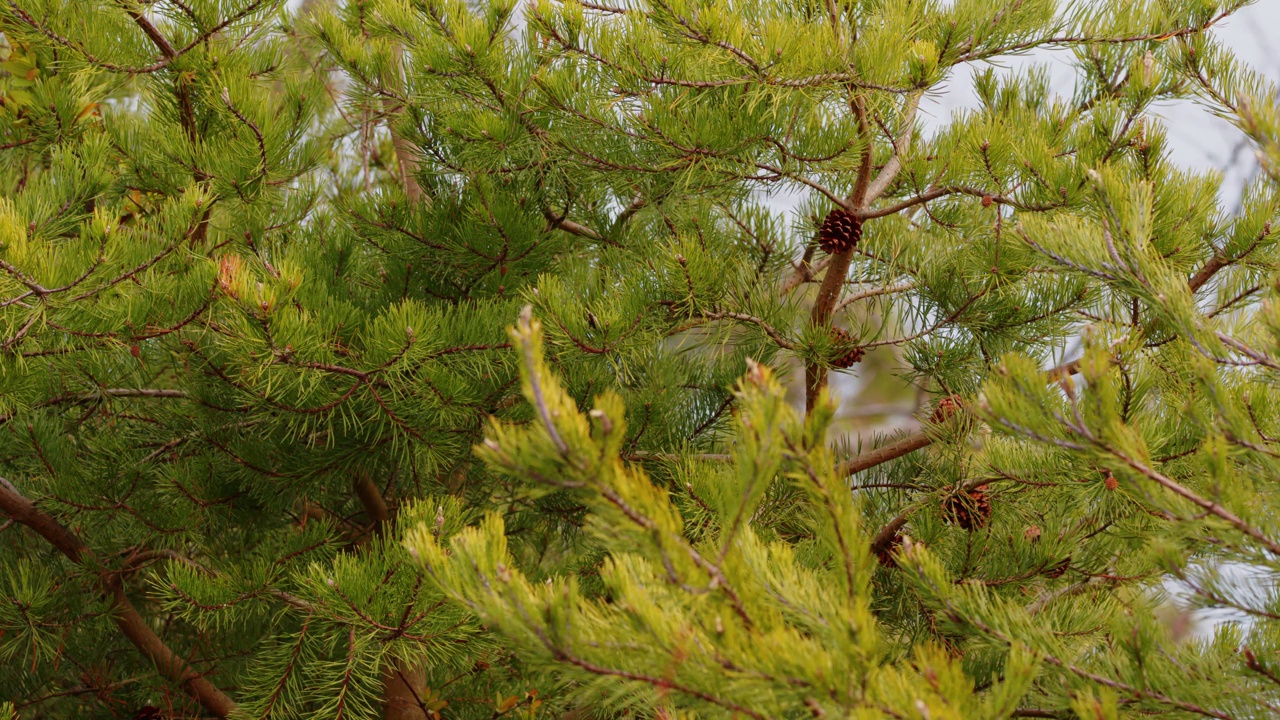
(375, 506)
(1218, 262)
(172, 666)
(872, 458)
(560, 222)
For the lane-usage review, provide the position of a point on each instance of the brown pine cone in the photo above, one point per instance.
(946, 409)
(850, 353)
(970, 510)
(840, 232)
(885, 554)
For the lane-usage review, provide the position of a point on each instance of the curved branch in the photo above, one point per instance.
(171, 665)
(873, 292)
(872, 458)
(560, 222)
(768, 329)
(901, 145)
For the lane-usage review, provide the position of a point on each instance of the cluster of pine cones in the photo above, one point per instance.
(840, 232)
(946, 408)
(845, 344)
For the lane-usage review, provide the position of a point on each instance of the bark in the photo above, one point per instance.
(408, 163)
(872, 458)
(815, 376)
(374, 505)
(403, 684)
(866, 190)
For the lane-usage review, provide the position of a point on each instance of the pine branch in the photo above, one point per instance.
(901, 146)
(1251, 662)
(562, 222)
(403, 682)
(131, 624)
(805, 270)
(874, 292)
(838, 267)
(531, 367)
(935, 193)
(922, 439)
(768, 329)
(1209, 506)
(642, 455)
(142, 392)
(406, 153)
(1130, 690)
(654, 682)
(257, 133)
(630, 210)
(1111, 40)
(375, 506)
(186, 110)
(1219, 261)
(879, 456)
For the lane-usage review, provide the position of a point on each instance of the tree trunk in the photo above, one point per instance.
(403, 689)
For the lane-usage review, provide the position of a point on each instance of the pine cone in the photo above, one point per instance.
(946, 409)
(970, 510)
(850, 353)
(885, 554)
(1058, 569)
(840, 232)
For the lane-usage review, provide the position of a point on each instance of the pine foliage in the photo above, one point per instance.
(743, 621)
(265, 450)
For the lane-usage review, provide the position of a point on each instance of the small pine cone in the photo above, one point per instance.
(946, 409)
(1056, 570)
(840, 232)
(1111, 483)
(1032, 533)
(885, 554)
(970, 510)
(850, 353)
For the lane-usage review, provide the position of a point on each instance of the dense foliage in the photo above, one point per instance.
(429, 359)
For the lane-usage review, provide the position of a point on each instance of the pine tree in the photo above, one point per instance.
(225, 384)
(257, 266)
